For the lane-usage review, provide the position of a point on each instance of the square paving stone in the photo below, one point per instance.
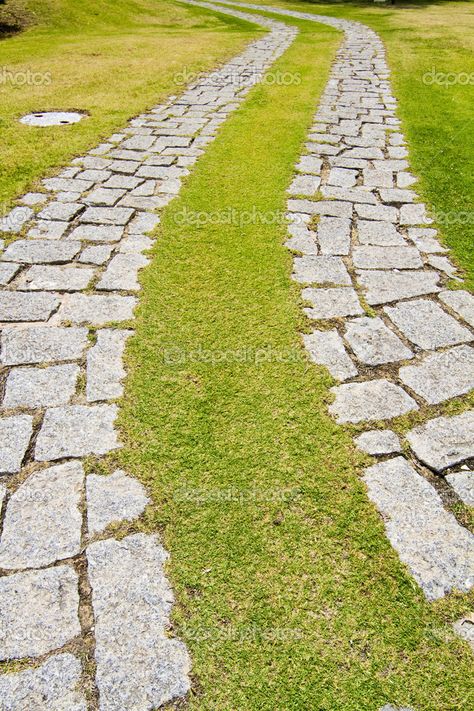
(43, 520)
(142, 223)
(122, 273)
(369, 257)
(332, 303)
(107, 215)
(462, 302)
(304, 185)
(135, 244)
(94, 175)
(378, 442)
(96, 309)
(41, 344)
(334, 235)
(97, 233)
(384, 286)
(370, 400)
(36, 251)
(374, 343)
(127, 182)
(61, 211)
(40, 387)
(441, 376)
(96, 254)
(444, 441)
(15, 435)
(327, 348)
(463, 484)
(382, 234)
(104, 196)
(342, 177)
(425, 323)
(414, 215)
(55, 278)
(38, 612)
(113, 498)
(76, 431)
(321, 270)
(47, 229)
(309, 164)
(18, 306)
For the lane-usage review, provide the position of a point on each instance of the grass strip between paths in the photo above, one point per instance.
(289, 594)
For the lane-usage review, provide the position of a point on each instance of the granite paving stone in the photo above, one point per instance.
(332, 303)
(105, 370)
(425, 323)
(97, 254)
(334, 235)
(321, 270)
(374, 343)
(327, 348)
(463, 484)
(382, 234)
(378, 442)
(55, 278)
(104, 196)
(62, 211)
(30, 251)
(122, 273)
(444, 441)
(41, 344)
(7, 272)
(15, 435)
(40, 387)
(462, 302)
(107, 215)
(96, 309)
(441, 376)
(386, 257)
(383, 286)
(113, 498)
(97, 233)
(370, 400)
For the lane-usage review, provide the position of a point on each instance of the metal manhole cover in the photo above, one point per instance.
(52, 118)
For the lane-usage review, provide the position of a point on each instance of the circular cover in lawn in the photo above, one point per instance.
(52, 118)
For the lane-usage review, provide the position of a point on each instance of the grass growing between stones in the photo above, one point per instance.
(112, 58)
(289, 594)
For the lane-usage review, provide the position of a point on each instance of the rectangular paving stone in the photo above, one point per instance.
(15, 435)
(425, 240)
(462, 302)
(438, 551)
(379, 233)
(94, 175)
(104, 196)
(334, 235)
(414, 215)
(441, 376)
(425, 323)
(372, 257)
(383, 286)
(342, 177)
(61, 211)
(320, 270)
(370, 400)
(304, 185)
(333, 208)
(76, 431)
(107, 215)
(383, 213)
(96, 309)
(68, 184)
(38, 612)
(97, 233)
(397, 195)
(378, 442)
(55, 278)
(142, 223)
(122, 273)
(332, 303)
(36, 251)
(444, 441)
(41, 344)
(47, 229)
(355, 195)
(374, 343)
(126, 182)
(19, 306)
(463, 484)
(97, 254)
(327, 348)
(40, 387)
(105, 369)
(128, 167)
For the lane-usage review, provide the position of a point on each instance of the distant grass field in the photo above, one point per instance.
(113, 58)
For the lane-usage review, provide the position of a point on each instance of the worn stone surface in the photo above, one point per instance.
(96, 309)
(41, 251)
(143, 223)
(95, 255)
(370, 400)
(334, 235)
(327, 348)
(62, 211)
(97, 233)
(332, 303)
(38, 611)
(444, 441)
(55, 278)
(321, 270)
(385, 286)
(104, 365)
(41, 344)
(18, 306)
(43, 520)
(76, 431)
(113, 498)
(437, 549)
(463, 484)
(304, 185)
(15, 435)
(138, 665)
(382, 234)
(387, 257)
(378, 442)
(462, 302)
(374, 343)
(53, 686)
(40, 387)
(425, 323)
(7, 272)
(441, 376)
(122, 273)
(107, 215)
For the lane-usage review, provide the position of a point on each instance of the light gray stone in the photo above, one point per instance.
(76, 431)
(342, 177)
(104, 365)
(74, 185)
(397, 195)
(53, 686)
(332, 303)
(127, 182)
(370, 400)
(371, 257)
(7, 272)
(47, 229)
(55, 278)
(320, 270)
(43, 520)
(424, 239)
(384, 286)
(128, 167)
(3, 493)
(107, 215)
(414, 215)
(36, 251)
(463, 484)
(441, 376)
(332, 208)
(41, 344)
(374, 343)
(34, 198)
(382, 213)
(373, 178)
(309, 164)
(96, 309)
(355, 195)
(326, 348)
(437, 550)
(122, 273)
(104, 196)
(97, 233)
(95, 255)
(382, 234)
(61, 211)
(16, 218)
(378, 442)
(465, 629)
(334, 235)
(15, 435)
(18, 306)
(143, 223)
(113, 498)
(40, 387)
(135, 244)
(304, 185)
(444, 441)
(462, 302)
(425, 323)
(38, 612)
(139, 667)
(94, 175)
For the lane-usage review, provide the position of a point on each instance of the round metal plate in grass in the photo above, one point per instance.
(52, 118)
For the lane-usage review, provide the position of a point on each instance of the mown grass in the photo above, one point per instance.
(112, 58)
(289, 594)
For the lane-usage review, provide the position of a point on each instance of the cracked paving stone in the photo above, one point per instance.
(332, 303)
(385, 286)
(38, 612)
(438, 551)
(107, 215)
(444, 441)
(122, 273)
(55, 278)
(370, 400)
(327, 348)
(462, 302)
(97, 254)
(425, 323)
(382, 213)
(378, 442)
(381, 234)
(104, 365)
(138, 666)
(113, 498)
(463, 484)
(320, 270)
(441, 376)
(97, 233)
(40, 387)
(442, 264)
(372, 257)
(53, 686)
(374, 343)
(76, 431)
(96, 309)
(43, 520)
(15, 435)
(41, 344)
(19, 306)
(334, 235)
(37, 251)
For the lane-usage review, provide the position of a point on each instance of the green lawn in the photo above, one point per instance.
(289, 595)
(113, 58)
